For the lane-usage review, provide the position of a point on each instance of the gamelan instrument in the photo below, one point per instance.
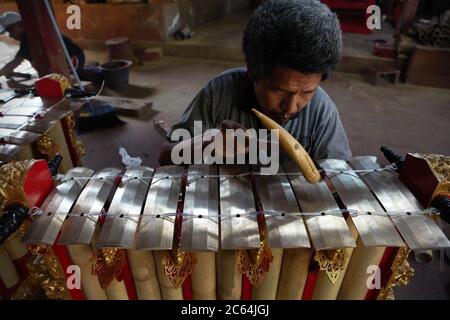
(41, 127)
(212, 232)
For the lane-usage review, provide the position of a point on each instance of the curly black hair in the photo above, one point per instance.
(300, 34)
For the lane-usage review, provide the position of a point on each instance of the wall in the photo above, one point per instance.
(199, 12)
(103, 21)
(142, 23)
(139, 22)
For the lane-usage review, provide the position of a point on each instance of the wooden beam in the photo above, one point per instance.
(408, 15)
(48, 55)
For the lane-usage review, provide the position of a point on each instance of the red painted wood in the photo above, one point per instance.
(21, 264)
(247, 289)
(65, 261)
(311, 281)
(38, 183)
(187, 288)
(385, 268)
(352, 14)
(187, 284)
(129, 280)
(76, 161)
(46, 50)
(46, 87)
(418, 177)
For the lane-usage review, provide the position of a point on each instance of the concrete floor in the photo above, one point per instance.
(227, 33)
(222, 40)
(407, 118)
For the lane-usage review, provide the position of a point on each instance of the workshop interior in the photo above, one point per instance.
(224, 150)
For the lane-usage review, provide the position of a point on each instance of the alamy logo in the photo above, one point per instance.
(73, 281)
(374, 20)
(233, 147)
(73, 22)
(374, 280)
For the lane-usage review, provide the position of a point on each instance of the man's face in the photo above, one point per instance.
(16, 31)
(286, 92)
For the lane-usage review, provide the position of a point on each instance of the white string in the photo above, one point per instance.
(429, 211)
(38, 212)
(193, 178)
(95, 95)
(62, 178)
(99, 91)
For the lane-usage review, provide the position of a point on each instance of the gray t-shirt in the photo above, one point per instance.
(230, 96)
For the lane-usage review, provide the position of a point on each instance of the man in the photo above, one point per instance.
(11, 22)
(290, 47)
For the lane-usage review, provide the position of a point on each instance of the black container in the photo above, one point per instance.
(116, 73)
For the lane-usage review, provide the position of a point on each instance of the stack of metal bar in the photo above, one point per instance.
(23, 121)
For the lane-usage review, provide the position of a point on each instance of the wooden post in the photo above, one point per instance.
(48, 55)
(408, 15)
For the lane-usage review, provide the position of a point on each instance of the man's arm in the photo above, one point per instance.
(8, 69)
(199, 109)
(165, 157)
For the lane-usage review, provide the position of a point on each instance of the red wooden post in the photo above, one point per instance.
(48, 55)
(408, 15)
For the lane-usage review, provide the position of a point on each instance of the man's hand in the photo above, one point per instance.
(206, 139)
(231, 149)
(229, 124)
(8, 69)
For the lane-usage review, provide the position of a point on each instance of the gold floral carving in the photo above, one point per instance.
(332, 262)
(47, 146)
(63, 81)
(3, 204)
(108, 264)
(77, 145)
(254, 268)
(254, 264)
(44, 267)
(402, 272)
(24, 227)
(47, 273)
(11, 181)
(26, 291)
(178, 265)
(440, 165)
